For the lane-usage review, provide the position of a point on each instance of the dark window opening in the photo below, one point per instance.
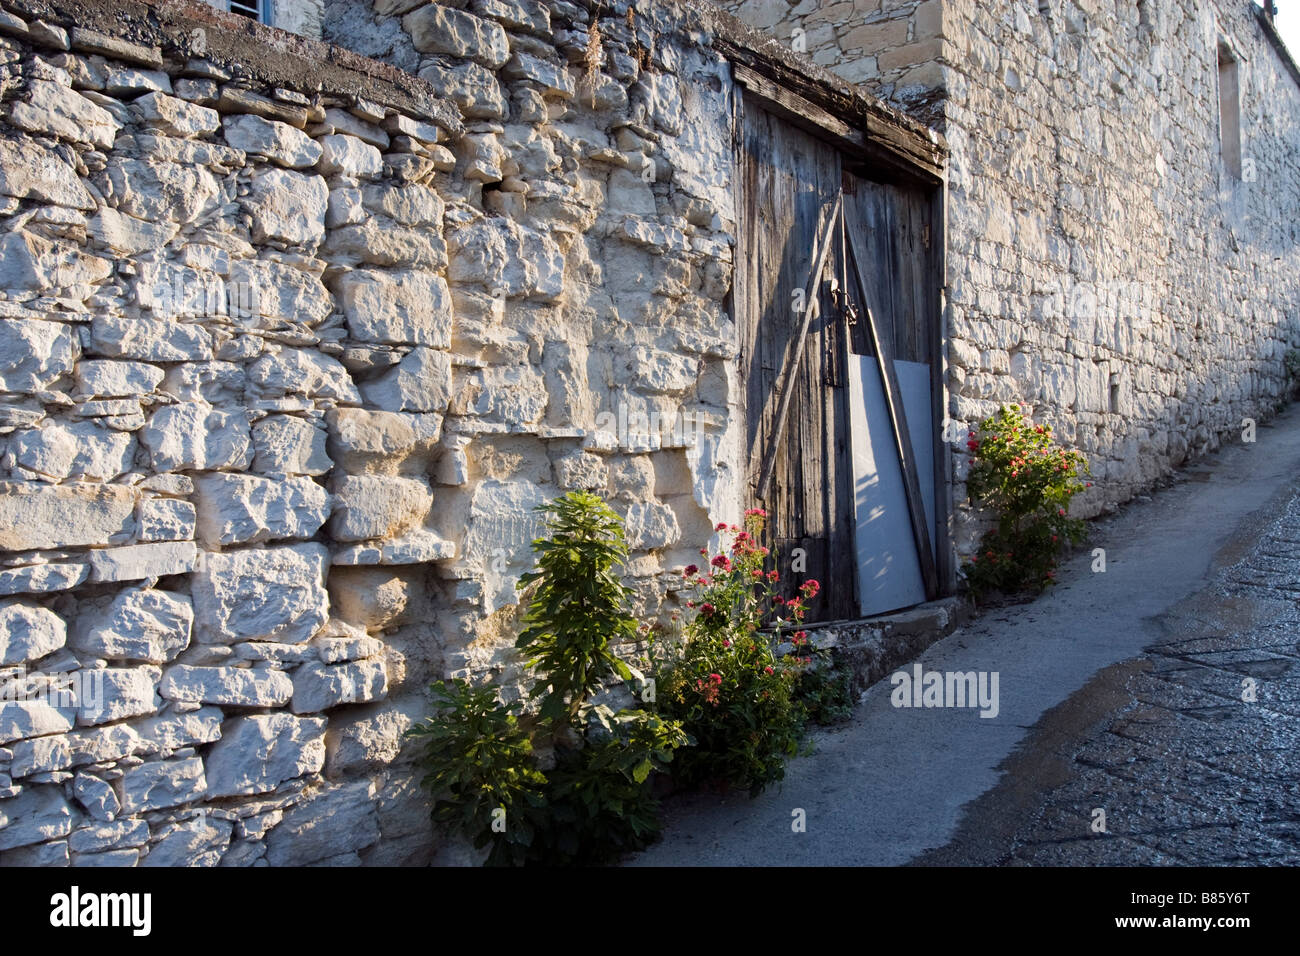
(253, 9)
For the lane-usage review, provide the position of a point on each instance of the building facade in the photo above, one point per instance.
(306, 306)
(1123, 209)
(296, 336)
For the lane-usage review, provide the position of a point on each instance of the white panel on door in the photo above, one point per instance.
(889, 572)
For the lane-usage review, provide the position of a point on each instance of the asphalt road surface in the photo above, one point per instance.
(1123, 703)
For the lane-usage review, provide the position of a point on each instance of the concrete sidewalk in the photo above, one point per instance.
(893, 783)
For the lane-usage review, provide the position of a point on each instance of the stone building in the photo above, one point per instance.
(295, 338)
(1123, 208)
(301, 318)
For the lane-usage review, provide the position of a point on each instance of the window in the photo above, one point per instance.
(259, 10)
(1229, 110)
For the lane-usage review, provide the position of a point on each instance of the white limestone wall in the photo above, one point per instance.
(284, 371)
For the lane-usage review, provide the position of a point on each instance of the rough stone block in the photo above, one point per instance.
(161, 784)
(411, 204)
(194, 436)
(332, 823)
(246, 509)
(104, 378)
(20, 719)
(34, 816)
(287, 206)
(124, 834)
(421, 382)
(140, 624)
(285, 445)
(81, 450)
(100, 802)
(150, 340)
(403, 308)
(175, 116)
(271, 594)
(139, 562)
(161, 191)
(116, 693)
(302, 372)
(349, 156)
(27, 174)
(34, 354)
(438, 29)
(376, 506)
(258, 753)
(281, 143)
(200, 841)
(373, 597)
(228, 686)
(318, 687)
(277, 292)
(37, 516)
(165, 519)
(51, 109)
(28, 632)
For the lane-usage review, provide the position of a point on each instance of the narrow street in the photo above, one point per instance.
(1119, 692)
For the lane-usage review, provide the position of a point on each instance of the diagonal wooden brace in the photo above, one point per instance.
(826, 226)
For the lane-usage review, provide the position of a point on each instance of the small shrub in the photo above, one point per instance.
(578, 604)
(480, 766)
(734, 696)
(1018, 472)
(1291, 362)
(480, 756)
(825, 694)
(600, 800)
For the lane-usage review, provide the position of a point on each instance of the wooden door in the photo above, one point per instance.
(788, 179)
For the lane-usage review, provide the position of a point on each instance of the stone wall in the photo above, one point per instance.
(293, 343)
(1104, 266)
(302, 17)
(894, 48)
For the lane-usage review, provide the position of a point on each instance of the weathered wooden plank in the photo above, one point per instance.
(898, 421)
(812, 298)
(898, 144)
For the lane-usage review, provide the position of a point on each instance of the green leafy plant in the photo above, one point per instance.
(1023, 476)
(1291, 363)
(825, 693)
(481, 767)
(577, 607)
(601, 801)
(594, 800)
(733, 694)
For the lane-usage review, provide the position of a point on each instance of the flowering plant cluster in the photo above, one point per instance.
(733, 694)
(1020, 473)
